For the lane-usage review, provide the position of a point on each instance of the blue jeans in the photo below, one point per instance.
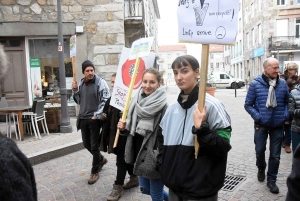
(154, 188)
(287, 134)
(295, 140)
(260, 140)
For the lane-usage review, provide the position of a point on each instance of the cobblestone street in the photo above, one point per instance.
(65, 178)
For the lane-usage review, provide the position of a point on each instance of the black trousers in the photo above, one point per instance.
(122, 166)
(174, 197)
(90, 132)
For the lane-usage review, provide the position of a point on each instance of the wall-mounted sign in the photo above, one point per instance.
(259, 51)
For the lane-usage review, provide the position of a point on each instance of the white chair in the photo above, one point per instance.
(8, 118)
(37, 114)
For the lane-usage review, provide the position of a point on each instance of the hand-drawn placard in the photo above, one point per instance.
(207, 21)
(141, 48)
(124, 74)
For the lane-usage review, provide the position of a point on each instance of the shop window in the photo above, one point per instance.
(280, 2)
(297, 27)
(11, 42)
(44, 66)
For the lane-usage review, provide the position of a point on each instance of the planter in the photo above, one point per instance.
(211, 90)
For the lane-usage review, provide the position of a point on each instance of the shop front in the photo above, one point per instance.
(32, 50)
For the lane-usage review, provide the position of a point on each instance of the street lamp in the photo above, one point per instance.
(278, 44)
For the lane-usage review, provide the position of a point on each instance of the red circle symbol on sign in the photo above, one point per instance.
(60, 48)
(127, 71)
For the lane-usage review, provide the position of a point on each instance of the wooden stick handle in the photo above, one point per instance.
(127, 103)
(202, 88)
(74, 68)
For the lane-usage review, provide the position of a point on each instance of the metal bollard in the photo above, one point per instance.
(235, 91)
(246, 83)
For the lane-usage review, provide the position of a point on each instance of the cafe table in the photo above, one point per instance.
(16, 110)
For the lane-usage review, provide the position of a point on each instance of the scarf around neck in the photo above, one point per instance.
(143, 109)
(271, 100)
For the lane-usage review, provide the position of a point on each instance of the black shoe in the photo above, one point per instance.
(102, 163)
(273, 187)
(261, 175)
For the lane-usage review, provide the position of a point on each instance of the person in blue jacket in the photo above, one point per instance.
(267, 103)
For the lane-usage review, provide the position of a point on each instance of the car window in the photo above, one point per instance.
(224, 76)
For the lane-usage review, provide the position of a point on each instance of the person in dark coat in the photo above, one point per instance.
(17, 181)
(293, 181)
(290, 75)
(110, 118)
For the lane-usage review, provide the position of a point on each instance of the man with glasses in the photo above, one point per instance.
(267, 103)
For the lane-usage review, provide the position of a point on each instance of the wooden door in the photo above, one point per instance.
(15, 87)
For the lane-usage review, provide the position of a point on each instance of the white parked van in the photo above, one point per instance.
(222, 79)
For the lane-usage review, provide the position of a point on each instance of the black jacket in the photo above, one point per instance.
(17, 180)
(294, 109)
(109, 128)
(293, 181)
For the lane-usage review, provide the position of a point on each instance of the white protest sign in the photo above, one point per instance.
(141, 48)
(124, 74)
(73, 46)
(208, 21)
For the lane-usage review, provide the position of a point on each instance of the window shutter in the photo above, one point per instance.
(297, 31)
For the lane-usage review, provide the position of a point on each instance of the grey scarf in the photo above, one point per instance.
(271, 101)
(142, 110)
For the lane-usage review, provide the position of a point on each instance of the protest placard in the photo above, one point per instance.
(73, 55)
(208, 22)
(124, 74)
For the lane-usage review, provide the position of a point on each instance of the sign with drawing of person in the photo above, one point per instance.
(208, 21)
(124, 74)
(35, 75)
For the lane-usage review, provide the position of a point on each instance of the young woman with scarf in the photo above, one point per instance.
(186, 177)
(143, 133)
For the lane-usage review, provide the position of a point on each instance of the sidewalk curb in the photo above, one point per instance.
(55, 152)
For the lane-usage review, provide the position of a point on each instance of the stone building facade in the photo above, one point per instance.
(271, 28)
(216, 58)
(28, 29)
(167, 54)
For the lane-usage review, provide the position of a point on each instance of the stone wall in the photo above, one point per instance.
(103, 22)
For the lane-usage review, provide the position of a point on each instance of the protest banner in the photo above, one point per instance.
(207, 22)
(128, 70)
